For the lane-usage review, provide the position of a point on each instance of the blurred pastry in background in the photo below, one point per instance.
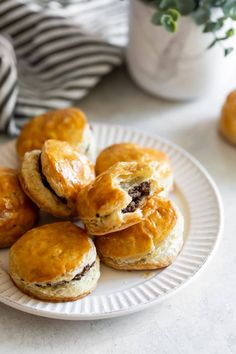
(55, 262)
(69, 124)
(227, 125)
(117, 198)
(52, 177)
(127, 152)
(18, 214)
(154, 243)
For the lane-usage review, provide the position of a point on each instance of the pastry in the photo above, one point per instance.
(117, 197)
(128, 152)
(228, 118)
(69, 124)
(55, 262)
(53, 177)
(154, 243)
(17, 213)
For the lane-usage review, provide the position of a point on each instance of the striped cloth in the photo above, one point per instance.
(51, 56)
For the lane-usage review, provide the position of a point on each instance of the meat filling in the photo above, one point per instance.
(64, 282)
(46, 183)
(137, 193)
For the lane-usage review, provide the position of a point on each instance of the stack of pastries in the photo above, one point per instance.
(128, 221)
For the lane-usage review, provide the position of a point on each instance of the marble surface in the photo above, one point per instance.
(202, 317)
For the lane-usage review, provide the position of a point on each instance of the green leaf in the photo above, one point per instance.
(186, 7)
(157, 2)
(166, 19)
(205, 3)
(218, 3)
(168, 23)
(174, 14)
(229, 9)
(201, 15)
(227, 51)
(167, 4)
(230, 32)
(213, 26)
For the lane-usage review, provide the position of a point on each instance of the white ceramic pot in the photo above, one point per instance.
(175, 66)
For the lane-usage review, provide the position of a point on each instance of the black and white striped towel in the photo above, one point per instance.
(51, 56)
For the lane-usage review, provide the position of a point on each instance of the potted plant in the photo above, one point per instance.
(179, 49)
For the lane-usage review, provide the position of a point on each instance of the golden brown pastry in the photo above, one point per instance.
(17, 213)
(55, 262)
(69, 124)
(53, 177)
(117, 198)
(128, 152)
(228, 118)
(154, 243)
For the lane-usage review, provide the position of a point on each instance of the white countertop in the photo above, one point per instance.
(202, 317)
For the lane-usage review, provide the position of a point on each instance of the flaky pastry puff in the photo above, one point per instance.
(53, 177)
(129, 152)
(154, 243)
(55, 262)
(17, 212)
(117, 198)
(69, 124)
(227, 124)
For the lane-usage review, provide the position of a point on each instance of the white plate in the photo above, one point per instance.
(119, 292)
